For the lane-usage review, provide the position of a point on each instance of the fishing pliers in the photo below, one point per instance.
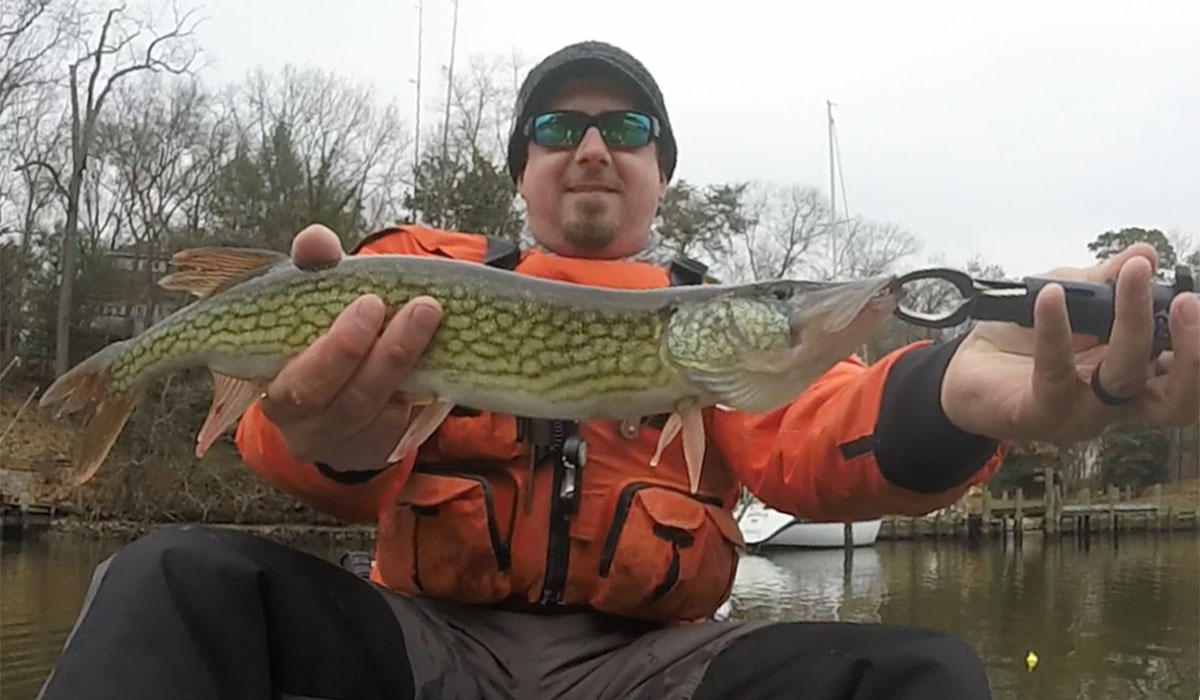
(1090, 305)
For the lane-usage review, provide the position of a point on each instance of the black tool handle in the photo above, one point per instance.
(1091, 306)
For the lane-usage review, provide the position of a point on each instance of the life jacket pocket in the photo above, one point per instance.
(666, 554)
(445, 539)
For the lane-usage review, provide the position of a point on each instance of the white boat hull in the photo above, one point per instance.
(766, 527)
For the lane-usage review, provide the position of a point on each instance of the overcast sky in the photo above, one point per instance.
(1015, 130)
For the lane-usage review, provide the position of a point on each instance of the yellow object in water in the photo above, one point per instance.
(1031, 660)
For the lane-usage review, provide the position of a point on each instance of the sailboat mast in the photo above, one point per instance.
(832, 191)
(417, 108)
(420, 55)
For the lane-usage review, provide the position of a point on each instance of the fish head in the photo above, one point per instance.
(835, 319)
(760, 346)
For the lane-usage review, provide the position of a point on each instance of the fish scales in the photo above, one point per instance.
(485, 340)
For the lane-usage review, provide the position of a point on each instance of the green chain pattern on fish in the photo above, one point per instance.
(523, 345)
(493, 343)
(506, 343)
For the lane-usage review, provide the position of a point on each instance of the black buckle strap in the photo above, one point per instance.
(687, 271)
(501, 253)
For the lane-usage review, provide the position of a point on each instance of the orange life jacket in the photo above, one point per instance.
(454, 522)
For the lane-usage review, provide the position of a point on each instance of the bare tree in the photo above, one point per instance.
(465, 185)
(160, 164)
(30, 34)
(866, 249)
(791, 223)
(116, 50)
(481, 109)
(349, 148)
(33, 36)
(784, 223)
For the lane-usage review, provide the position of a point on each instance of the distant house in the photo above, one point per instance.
(134, 301)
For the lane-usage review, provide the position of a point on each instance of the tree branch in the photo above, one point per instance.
(53, 173)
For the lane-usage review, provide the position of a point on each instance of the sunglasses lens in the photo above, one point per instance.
(556, 129)
(626, 129)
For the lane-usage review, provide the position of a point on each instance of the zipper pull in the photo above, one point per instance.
(574, 457)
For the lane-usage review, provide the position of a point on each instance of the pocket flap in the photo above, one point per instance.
(672, 509)
(726, 524)
(427, 490)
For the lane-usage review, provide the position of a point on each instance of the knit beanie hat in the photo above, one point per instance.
(587, 58)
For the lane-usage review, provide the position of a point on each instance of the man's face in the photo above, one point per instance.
(592, 201)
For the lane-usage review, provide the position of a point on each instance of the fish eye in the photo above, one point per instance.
(781, 292)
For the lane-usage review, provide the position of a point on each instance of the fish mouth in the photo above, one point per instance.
(828, 321)
(842, 305)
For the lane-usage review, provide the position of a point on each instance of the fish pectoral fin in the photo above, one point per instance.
(205, 271)
(738, 389)
(416, 399)
(231, 398)
(693, 444)
(688, 419)
(669, 431)
(420, 428)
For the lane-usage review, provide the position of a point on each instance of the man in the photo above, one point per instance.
(488, 585)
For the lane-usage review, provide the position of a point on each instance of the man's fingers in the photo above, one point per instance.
(1124, 368)
(379, 438)
(1183, 391)
(308, 383)
(1109, 269)
(316, 246)
(389, 362)
(1054, 379)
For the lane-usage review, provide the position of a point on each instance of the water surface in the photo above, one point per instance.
(1106, 621)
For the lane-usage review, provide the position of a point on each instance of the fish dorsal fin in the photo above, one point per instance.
(206, 271)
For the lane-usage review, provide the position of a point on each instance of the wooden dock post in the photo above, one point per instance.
(985, 523)
(1158, 506)
(1084, 523)
(1018, 515)
(1005, 499)
(847, 544)
(1113, 496)
(1049, 519)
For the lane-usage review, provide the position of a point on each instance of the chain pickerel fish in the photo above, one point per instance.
(507, 343)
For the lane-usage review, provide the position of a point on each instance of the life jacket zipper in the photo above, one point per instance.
(558, 550)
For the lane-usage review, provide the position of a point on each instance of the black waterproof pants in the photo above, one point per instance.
(194, 613)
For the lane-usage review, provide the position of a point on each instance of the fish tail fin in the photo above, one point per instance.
(87, 388)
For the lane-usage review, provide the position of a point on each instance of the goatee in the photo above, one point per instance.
(589, 234)
(591, 229)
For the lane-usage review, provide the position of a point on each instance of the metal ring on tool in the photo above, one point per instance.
(961, 281)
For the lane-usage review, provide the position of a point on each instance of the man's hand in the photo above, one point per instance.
(335, 402)
(1009, 382)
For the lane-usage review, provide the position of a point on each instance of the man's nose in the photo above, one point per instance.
(592, 150)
